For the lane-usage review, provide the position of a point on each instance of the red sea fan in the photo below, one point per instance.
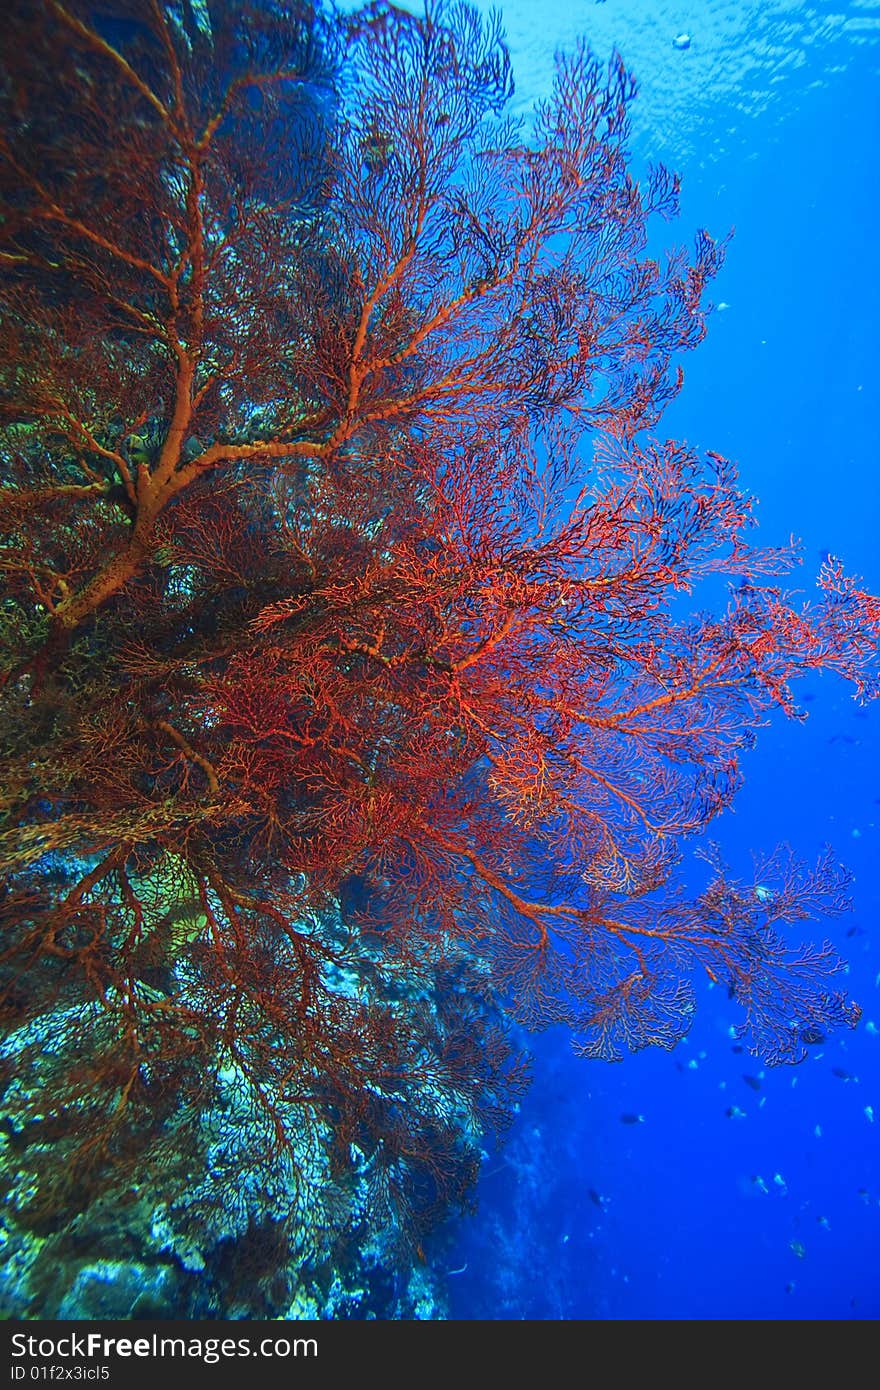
(341, 567)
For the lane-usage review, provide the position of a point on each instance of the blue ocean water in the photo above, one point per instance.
(770, 114)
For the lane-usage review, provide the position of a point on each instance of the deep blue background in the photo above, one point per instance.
(771, 117)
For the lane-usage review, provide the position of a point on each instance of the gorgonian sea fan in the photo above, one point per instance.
(340, 564)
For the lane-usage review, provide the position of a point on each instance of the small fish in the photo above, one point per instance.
(682, 42)
(596, 1198)
(871, 1027)
(818, 1131)
(733, 1112)
(856, 931)
(763, 893)
(752, 1081)
(843, 1075)
(737, 1049)
(869, 1114)
(779, 1181)
(628, 1119)
(823, 1222)
(693, 1064)
(798, 1248)
(790, 1286)
(759, 1183)
(811, 1036)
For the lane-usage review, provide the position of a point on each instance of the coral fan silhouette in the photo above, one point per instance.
(349, 710)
